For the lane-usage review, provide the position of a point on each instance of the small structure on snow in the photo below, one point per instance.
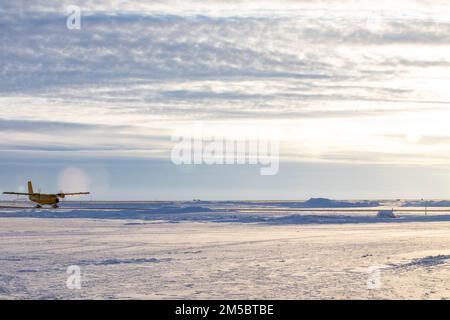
(386, 214)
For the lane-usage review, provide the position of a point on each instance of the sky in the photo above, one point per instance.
(355, 92)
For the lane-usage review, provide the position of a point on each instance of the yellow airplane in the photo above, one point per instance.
(41, 198)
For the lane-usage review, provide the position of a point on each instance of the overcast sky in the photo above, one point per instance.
(357, 93)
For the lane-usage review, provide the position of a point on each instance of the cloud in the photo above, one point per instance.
(139, 69)
(226, 8)
(66, 137)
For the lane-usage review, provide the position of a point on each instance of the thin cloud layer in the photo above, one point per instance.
(332, 83)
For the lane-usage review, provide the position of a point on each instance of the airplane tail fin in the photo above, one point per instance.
(30, 187)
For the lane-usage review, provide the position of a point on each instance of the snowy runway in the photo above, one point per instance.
(222, 255)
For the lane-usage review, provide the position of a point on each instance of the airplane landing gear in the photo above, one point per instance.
(55, 206)
(38, 206)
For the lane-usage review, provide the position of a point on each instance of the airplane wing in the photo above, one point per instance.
(18, 193)
(72, 194)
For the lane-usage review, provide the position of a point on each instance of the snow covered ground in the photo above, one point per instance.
(233, 250)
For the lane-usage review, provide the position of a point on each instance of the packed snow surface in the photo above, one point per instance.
(223, 250)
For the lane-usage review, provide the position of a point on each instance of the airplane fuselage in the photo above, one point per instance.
(49, 199)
